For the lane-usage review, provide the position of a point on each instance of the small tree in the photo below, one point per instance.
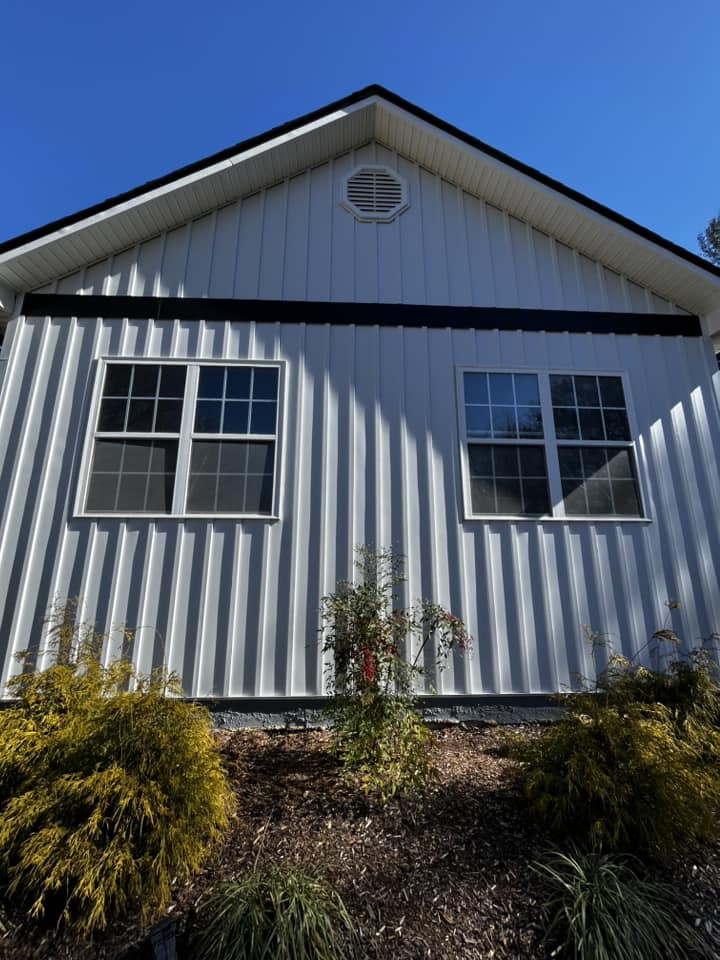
(709, 240)
(374, 677)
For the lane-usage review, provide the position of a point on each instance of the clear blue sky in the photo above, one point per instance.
(617, 99)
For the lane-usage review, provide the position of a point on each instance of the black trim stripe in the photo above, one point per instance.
(360, 314)
(353, 98)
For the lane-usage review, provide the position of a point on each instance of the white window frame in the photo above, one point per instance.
(185, 439)
(550, 444)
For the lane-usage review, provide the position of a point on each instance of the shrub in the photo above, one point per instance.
(106, 793)
(621, 778)
(284, 915)
(605, 908)
(377, 733)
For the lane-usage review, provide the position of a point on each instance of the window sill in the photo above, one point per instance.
(121, 515)
(517, 518)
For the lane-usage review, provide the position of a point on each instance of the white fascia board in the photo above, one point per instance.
(555, 196)
(186, 181)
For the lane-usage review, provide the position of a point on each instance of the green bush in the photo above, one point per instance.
(621, 777)
(281, 915)
(106, 793)
(374, 677)
(605, 908)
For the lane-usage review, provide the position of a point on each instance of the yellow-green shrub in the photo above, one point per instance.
(621, 777)
(106, 793)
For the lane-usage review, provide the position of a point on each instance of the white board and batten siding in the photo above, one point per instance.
(370, 449)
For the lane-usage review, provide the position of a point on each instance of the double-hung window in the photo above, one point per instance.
(185, 439)
(545, 444)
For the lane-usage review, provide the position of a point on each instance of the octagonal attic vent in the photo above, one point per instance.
(376, 193)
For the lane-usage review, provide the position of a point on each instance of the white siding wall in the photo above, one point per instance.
(370, 456)
(294, 241)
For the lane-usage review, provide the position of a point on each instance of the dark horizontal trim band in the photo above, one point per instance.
(360, 314)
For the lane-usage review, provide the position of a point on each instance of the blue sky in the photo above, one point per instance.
(617, 99)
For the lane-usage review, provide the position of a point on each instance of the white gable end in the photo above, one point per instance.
(296, 240)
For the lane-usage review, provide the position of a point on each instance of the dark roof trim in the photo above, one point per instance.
(360, 314)
(353, 98)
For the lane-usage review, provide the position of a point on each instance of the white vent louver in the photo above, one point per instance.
(375, 193)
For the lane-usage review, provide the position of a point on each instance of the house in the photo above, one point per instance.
(362, 327)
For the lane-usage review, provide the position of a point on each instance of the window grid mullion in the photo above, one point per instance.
(182, 468)
(557, 507)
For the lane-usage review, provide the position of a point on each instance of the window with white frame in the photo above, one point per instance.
(545, 444)
(182, 439)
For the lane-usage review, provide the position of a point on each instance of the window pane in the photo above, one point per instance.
(586, 390)
(131, 492)
(207, 416)
(102, 492)
(258, 494)
(260, 457)
(136, 458)
(594, 461)
(616, 425)
(238, 383)
(509, 499)
(598, 494)
(204, 456)
(501, 388)
(506, 461)
(235, 418)
(117, 380)
(231, 494)
(619, 463)
(482, 495)
(529, 422)
(566, 424)
(234, 458)
(480, 458)
(211, 382)
(172, 381)
(477, 420)
(591, 425)
(476, 388)
(535, 496)
(169, 416)
(574, 497)
(526, 389)
(201, 494)
(108, 454)
(163, 456)
(503, 422)
(611, 392)
(160, 493)
(561, 390)
(112, 415)
(262, 417)
(532, 462)
(145, 380)
(570, 462)
(140, 416)
(626, 497)
(265, 383)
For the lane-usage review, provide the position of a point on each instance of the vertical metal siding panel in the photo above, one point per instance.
(366, 279)
(296, 238)
(434, 241)
(199, 257)
(572, 296)
(222, 267)
(390, 279)
(478, 240)
(550, 295)
(414, 286)
(501, 258)
(456, 244)
(591, 284)
(615, 290)
(342, 259)
(320, 238)
(174, 263)
(149, 262)
(247, 270)
(528, 288)
(362, 475)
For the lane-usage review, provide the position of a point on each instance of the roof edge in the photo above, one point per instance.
(372, 90)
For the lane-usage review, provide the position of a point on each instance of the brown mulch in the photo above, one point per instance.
(443, 875)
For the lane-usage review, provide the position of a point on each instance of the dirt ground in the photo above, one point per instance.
(443, 875)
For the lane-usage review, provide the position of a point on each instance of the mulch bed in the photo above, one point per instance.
(444, 875)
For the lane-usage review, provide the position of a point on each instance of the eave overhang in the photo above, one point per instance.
(66, 245)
